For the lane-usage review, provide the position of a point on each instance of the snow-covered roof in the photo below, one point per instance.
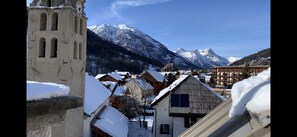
(120, 91)
(169, 88)
(143, 85)
(123, 73)
(113, 122)
(115, 75)
(43, 90)
(252, 94)
(99, 76)
(95, 94)
(157, 76)
(164, 73)
(111, 84)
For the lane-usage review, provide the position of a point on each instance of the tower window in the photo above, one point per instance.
(43, 19)
(80, 51)
(49, 3)
(54, 48)
(75, 24)
(80, 27)
(55, 21)
(42, 48)
(75, 50)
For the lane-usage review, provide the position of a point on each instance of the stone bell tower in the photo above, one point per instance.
(56, 52)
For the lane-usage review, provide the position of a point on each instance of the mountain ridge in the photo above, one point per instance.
(140, 43)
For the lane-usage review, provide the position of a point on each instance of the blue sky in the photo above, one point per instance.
(230, 27)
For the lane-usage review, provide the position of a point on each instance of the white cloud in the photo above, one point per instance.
(121, 4)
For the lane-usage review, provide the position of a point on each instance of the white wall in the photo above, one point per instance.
(178, 126)
(87, 120)
(162, 117)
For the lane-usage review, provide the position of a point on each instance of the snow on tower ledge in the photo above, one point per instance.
(44, 90)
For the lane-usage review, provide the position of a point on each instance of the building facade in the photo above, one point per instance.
(57, 53)
(181, 105)
(228, 75)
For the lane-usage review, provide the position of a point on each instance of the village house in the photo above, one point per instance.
(97, 112)
(170, 67)
(125, 75)
(139, 88)
(156, 79)
(56, 53)
(118, 95)
(247, 113)
(181, 104)
(113, 76)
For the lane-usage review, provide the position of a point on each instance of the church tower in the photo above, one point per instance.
(56, 52)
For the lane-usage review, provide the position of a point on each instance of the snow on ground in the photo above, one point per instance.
(95, 94)
(254, 94)
(43, 90)
(136, 131)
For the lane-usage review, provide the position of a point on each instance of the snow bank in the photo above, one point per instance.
(43, 90)
(95, 94)
(113, 122)
(252, 94)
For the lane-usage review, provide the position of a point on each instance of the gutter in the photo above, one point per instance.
(231, 125)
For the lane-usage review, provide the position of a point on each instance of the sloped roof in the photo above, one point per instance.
(113, 122)
(99, 76)
(115, 75)
(156, 75)
(123, 72)
(143, 85)
(120, 91)
(165, 91)
(95, 94)
(112, 85)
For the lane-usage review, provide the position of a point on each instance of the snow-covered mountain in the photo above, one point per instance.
(233, 59)
(205, 58)
(138, 42)
(260, 58)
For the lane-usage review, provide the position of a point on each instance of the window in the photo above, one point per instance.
(75, 24)
(80, 27)
(189, 121)
(43, 19)
(49, 3)
(55, 21)
(80, 51)
(164, 129)
(54, 48)
(75, 50)
(42, 48)
(179, 100)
